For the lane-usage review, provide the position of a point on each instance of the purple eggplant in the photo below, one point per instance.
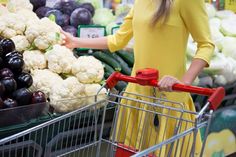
(22, 96)
(7, 45)
(9, 84)
(9, 103)
(38, 97)
(24, 80)
(5, 72)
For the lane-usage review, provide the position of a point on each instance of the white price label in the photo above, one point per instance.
(92, 32)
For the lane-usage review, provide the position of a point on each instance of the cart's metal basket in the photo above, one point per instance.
(141, 126)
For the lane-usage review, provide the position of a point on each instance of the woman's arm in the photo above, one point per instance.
(195, 68)
(196, 20)
(73, 42)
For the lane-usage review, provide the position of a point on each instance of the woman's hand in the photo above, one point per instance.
(166, 83)
(69, 40)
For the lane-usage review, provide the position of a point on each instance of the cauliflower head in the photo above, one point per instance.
(91, 90)
(21, 43)
(12, 25)
(43, 33)
(88, 69)
(34, 60)
(67, 95)
(43, 80)
(3, 10)
(16, 5)
(27, 14)
(60, 59)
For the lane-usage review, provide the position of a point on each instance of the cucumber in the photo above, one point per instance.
(121, 85)
(107, 59)
(106, 75)
(108, 68)
(128, 57)
(125, 69)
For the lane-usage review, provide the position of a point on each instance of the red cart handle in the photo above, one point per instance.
(149, 77)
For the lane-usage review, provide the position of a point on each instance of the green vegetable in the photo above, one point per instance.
(224, 119)
(127, 56)
(108, 69)
(211, 10)
(103, 17)
(107, 59)
(121, 85)
(123, 9)
(125, 69)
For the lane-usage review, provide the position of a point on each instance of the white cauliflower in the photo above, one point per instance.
(11, 25)
(91, 90)
(16, 5)
(34, 60)
(3, 10)
(60, 59)
(67, 95)
(27, 14)
(88, 69)
(43, 33)
(43, 80)
(21, 43)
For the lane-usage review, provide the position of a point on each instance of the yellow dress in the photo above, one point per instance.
(161, 47)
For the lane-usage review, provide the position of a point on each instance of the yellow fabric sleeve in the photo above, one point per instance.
(121, 38)
(194, 15)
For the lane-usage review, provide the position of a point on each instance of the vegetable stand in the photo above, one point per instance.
(80, 133)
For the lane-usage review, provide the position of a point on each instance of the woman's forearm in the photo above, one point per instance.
(195, 68)
(95, 43)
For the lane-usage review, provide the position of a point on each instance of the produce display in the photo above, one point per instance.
(14, 82)
(34, 29)
(33, 59)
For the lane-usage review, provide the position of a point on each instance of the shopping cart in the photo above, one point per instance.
(142, 125)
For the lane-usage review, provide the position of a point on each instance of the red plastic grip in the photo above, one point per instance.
(149, 77)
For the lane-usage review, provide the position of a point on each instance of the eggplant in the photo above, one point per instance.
(38, 97)
(5, 72)
(7, 45)
(1, 103)
(2, 89)
(12, 54)
(1, 62)
(9, 103)
(24, 80)
(1, 51)
(9, 84)
(16, 64)
(22, 96)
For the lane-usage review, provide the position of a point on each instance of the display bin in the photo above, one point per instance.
(55, 135)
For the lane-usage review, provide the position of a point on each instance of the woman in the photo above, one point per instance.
(160, 29)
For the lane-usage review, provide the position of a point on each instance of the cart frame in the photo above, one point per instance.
(82, 131)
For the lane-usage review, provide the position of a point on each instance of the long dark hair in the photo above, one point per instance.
(162, 12)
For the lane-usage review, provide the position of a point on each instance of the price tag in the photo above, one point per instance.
(115, 29)
(91, 31)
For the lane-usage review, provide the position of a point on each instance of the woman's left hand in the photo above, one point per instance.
(166, 83)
